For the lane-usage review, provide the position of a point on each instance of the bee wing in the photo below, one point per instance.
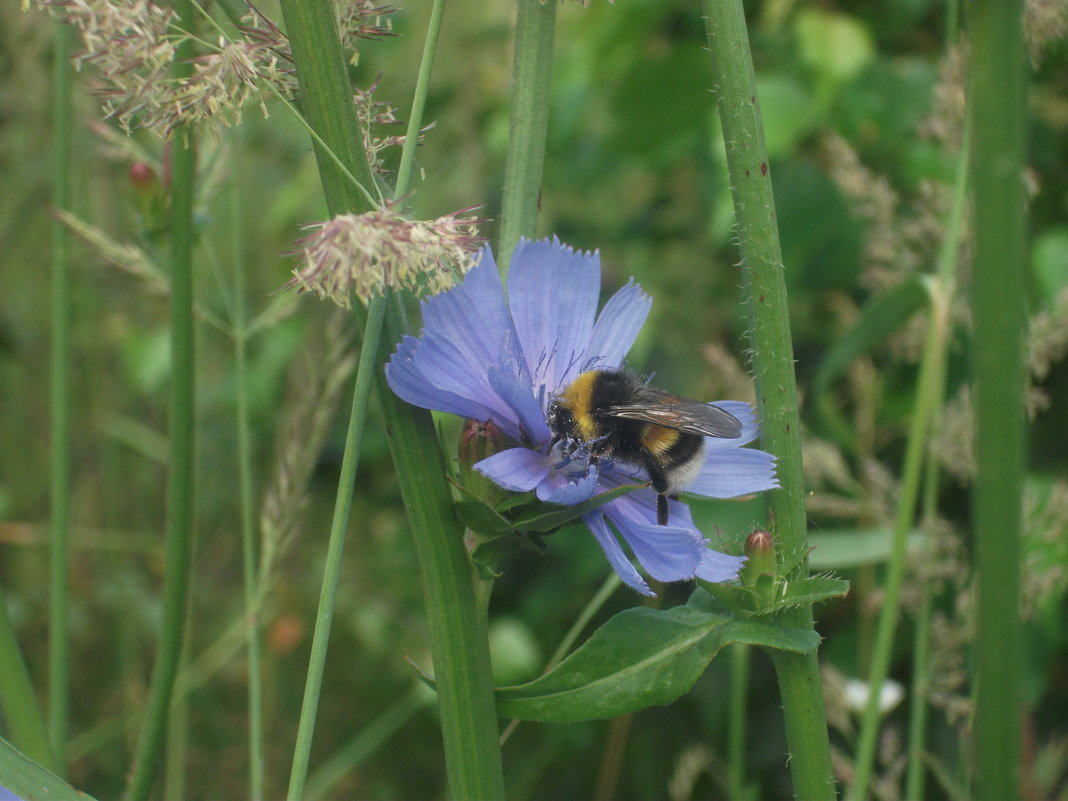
(681, 414)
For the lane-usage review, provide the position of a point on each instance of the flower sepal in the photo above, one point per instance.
(523, 512)
(767, 594)
(521, 521)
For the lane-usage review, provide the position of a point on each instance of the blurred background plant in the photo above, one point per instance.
(863, 107)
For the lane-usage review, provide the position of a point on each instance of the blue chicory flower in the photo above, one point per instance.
(487, 357)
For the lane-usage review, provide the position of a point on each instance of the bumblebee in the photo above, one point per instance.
(614, 414)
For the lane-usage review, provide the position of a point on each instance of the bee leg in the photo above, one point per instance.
(661, 509)
(660, 487)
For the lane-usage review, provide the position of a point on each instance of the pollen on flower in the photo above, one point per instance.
(368, 254)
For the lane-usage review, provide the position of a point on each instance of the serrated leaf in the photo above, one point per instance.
(642, 657)
(812, 590)
(514, 500)
(769, 595)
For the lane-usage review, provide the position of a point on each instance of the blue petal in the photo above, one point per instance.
(473, 316)
(568, 492)
(516, 469)
(716, 566)
(728, 473)
(746, 416)
(511, 382)
(617, 327)
(409, 383)
(668, 553)
(553, 292)
(616, 558)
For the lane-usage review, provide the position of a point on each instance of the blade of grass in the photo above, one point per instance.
(180, 490)
(59, 475)
(28, 779)
(773, 370)
(249, 568)
(18, 700)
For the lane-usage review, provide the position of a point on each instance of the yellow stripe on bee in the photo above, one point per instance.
(659, 440)
(577, 398)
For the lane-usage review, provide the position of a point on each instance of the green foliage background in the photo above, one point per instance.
(862, 133)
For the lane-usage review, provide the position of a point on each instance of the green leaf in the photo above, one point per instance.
(846, 548)
(30, 781)
(812, 590)
(837, 46)
(481, 518)
(642, 657)
(1049, 264)
(769, 596)
(788, 110)
(538, 519)
(488, 555)
(878, 320)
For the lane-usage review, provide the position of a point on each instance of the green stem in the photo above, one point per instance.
(244, 476)
(929, 396)
(739, 697)
(422, 87)
(459, 644)
(368, 740)
(921, 660)
(997, 95)
(524, 162)
(335, 550)
(59, 485)
(921, 671)
(773, 371)
(179, 542)
(176, 751)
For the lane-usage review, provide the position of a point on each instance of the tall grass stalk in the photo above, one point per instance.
(997, 89)
(180, 490)
(59, 392)
(458, 637)
(929, 395)
(734, 82)
(529, 123)
(244, 476)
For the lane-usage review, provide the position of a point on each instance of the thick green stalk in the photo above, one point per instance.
(180, 489)
(739, 695)
(458, 638)
(997, 89)
(773, 371)
(531, 81)
(250, 572)
(59, 484)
